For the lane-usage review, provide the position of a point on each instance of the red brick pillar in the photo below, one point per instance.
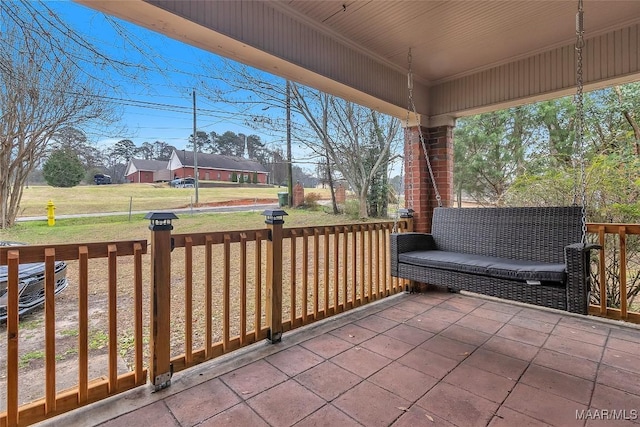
(298, 195)
(419, 190)
(341, 195)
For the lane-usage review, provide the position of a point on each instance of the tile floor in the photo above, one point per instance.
(432, 359)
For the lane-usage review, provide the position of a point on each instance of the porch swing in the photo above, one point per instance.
(535, 255)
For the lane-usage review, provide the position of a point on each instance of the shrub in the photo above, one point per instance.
(234, 177)
(255, 178)
(352, 208)
(311, 200)
(63, 169)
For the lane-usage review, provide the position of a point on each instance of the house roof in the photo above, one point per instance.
(218, 161)
(137, 165)
(149, 165)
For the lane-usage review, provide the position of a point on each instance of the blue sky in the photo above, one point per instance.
(155, 96)
(171, 69)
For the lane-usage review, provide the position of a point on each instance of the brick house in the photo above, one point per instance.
(215, 167)
(140, 170)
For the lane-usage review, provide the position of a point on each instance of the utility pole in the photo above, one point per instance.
(195, 147)
(289, 165)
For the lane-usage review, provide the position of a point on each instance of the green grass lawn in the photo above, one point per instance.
(110, 228)
(143, 197)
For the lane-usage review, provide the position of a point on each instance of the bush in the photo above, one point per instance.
(234, 177)
(241, 179)
(311, 200)
(63, 169)
(352, 208)
(255, 178)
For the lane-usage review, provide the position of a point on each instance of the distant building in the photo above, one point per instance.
(140, 170)
(211, 167)
(216, 167)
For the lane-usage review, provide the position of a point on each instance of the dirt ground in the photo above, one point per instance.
(31, 332)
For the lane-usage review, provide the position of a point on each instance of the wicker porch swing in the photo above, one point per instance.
(535, 255)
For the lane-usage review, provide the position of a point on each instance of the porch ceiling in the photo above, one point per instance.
(467, 55)
(450, 39)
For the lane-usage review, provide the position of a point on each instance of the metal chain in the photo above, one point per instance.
(397, 215)
(580, 113)
(412, 107)
(402, 184)
(408, 135)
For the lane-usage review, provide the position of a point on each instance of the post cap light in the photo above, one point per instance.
(406, 213)
(160, 220)
(275, 216)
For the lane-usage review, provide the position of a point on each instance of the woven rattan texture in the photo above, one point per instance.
(544, 234)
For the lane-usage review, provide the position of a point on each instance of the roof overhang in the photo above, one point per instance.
(466, 56)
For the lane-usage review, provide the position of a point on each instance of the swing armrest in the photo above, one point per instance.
(578, 264)
(408, 242)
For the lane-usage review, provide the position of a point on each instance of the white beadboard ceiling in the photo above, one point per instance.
(452, 38)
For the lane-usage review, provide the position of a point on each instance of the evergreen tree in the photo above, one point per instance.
(63, 169)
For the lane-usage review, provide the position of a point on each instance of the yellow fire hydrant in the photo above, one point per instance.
(51, 216)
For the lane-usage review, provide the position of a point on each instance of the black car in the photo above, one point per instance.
(101, 179)
(30, 284)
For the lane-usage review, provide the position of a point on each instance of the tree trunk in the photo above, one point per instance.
(364, 192)
(334, 204)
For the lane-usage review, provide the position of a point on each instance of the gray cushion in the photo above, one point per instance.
(487, 266)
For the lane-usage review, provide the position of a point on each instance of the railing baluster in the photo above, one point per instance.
(257, 321)
(243, 288)
(113, 317)
(188, 299)
(376, 264)
(354, 264)
(383, 261)
(50, 330)
(305, 274)
(336, 269)
(325, 275)
(208, 251)
(83, 324)
(361, 265)
(316, 271)
(345, 264)
(293, 273)
(623, 271)
(226, 293)
(137, 302)
(13, 265)
(370, 264)
(603, 274)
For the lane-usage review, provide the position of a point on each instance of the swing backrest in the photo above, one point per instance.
(523, 233)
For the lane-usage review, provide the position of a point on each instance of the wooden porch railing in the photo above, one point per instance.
(268, 281)
(87, 389)
(221, 291)
(616, 271)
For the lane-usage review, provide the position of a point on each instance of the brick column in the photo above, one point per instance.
(341, 195)
(418, 186)
(298, 195)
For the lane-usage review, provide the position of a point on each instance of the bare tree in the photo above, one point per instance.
(353, 140)
(69, 138)
(42, 90)
(357, 140)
